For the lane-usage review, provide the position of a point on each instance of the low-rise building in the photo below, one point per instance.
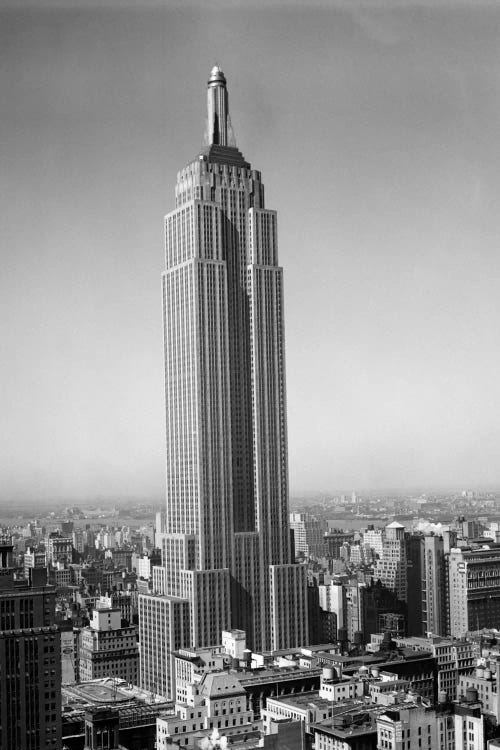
(485, 681)
(454, 658)
(306, 707)
(355, 729)
(218, 703)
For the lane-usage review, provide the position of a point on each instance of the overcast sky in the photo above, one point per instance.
(376, 127)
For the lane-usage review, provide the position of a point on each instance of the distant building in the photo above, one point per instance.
(144, 563)
(234, 643)
(126, 601)
(34, 558)
(414, 577)
(374, 539)
(69, 672)
(391, 567)
(309, 534)
(332, 598)
(59, 548)
(354, 612)
(78, 540)
(470, 529)
(122, 557)
(335, 541)
(61, 576)
(67, 528)
(322, 623)
(435, 584)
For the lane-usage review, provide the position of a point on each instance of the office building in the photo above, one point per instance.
(474, 588)
(373, 539)
(433, 586)
(78, 540)
(455, 659)
(226, 545)
(414, 577)
(332, 598)
(391, 567)
(59, 548)
(336, 540)
(354, 611)
(34, 558)
(164, 627)
(107, 649)
(382, 611)
(309, 535)
(30, 661)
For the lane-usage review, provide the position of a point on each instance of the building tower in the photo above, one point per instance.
(391, 567)
(30, 660)
(433, 586)
(226, 539)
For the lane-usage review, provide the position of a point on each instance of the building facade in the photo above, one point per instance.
(30, 664)
(391, 567)
(309, 534)
(107, 649)
(474, 588)
(455, 658)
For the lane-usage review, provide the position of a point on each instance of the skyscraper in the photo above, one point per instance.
(226, 540)
(434, 585)
(391, 567)
(30, 660)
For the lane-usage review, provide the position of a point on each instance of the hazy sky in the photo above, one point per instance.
(376, 127)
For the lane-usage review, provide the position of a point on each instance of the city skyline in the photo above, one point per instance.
(380, 157)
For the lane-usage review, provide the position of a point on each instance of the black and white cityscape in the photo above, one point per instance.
(238, 513)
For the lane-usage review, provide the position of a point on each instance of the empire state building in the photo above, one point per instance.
(227, 559)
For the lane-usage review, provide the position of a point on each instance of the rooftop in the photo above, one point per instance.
(309, 700)
(282, 673)
(344, 724)
(106, 691)
(221, 683)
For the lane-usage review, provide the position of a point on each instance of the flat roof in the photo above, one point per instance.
(281, 673)
(107, 690)
(303, 700)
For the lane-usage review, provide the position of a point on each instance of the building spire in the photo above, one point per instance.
(218, 110)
